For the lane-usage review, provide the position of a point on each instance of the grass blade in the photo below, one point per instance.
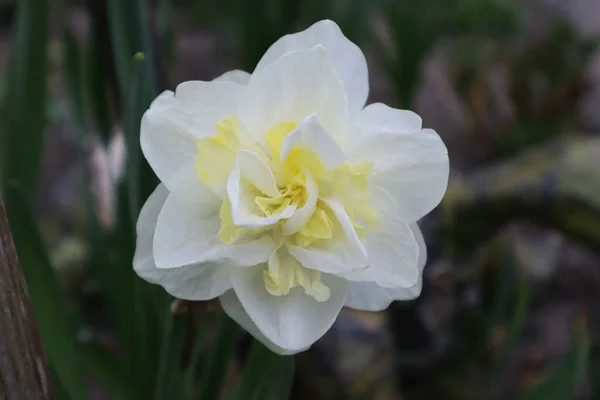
(100, 73)
(129, 36)
(136, 102)
(267, 376)
(131, 41)
(190, 374)
(24, 112)
(218, 358)
(170, 356)
(109, 370)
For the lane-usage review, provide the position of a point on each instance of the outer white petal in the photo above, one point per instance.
(219, 97)
(292, 322)
(173, 123)
(195, 282)
(411, 164)
(237, 76)
(252, 177)
(166, 138)
(378, 117)
(369, 296)
(393, 251)
(347, 58)
(232, 306)
(188, 226)
(311, 135)
(295, 86)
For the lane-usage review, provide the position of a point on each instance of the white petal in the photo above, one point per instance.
(303, 214)
(393, 251)
(378, 117)
(188, 226)
(369, 296)
(311, 135)
(292, 322)
(174, 122)
(343, 254)
(232, 306)
(347, 58)
(346, 223)
(295, 86)
(256, 171)
(168, 143)
(196, 282)
(336, 258)
(411, 164)
(219, 97)
(237, 76)
(422, 246)
(252, 177)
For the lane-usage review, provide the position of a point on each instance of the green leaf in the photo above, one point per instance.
(109, 370)
(137, 82)
(129, 36)
(190, 374)
(166, 32)
(136, 78)
(137, 102)
(218, 358)
(266, 376)
(170, 357)
(414, 31)
(25, 112)
(116, 279)
(22, 143)
(561, 382)
(100, 70)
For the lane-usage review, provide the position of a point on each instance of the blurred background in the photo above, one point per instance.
(510, 305)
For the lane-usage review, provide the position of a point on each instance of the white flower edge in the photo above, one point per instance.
(368, 296)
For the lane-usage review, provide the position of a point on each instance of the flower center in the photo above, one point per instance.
(301, 180)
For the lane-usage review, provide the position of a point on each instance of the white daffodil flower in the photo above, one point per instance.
(286, 197)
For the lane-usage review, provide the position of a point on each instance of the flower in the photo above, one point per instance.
(286, 197)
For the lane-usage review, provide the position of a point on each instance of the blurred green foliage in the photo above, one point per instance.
(160, 349)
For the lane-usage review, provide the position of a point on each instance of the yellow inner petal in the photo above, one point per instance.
(284, 273)
(319, 226)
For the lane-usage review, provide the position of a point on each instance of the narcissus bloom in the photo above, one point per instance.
(286, 197)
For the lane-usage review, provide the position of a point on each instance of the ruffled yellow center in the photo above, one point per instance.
(347, 183)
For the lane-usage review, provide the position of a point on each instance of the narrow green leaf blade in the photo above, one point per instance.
(219, 355)
(24, 112)
(170, 356)
(266, 376)
(109, 370)
(190, 374)
(129, 36)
